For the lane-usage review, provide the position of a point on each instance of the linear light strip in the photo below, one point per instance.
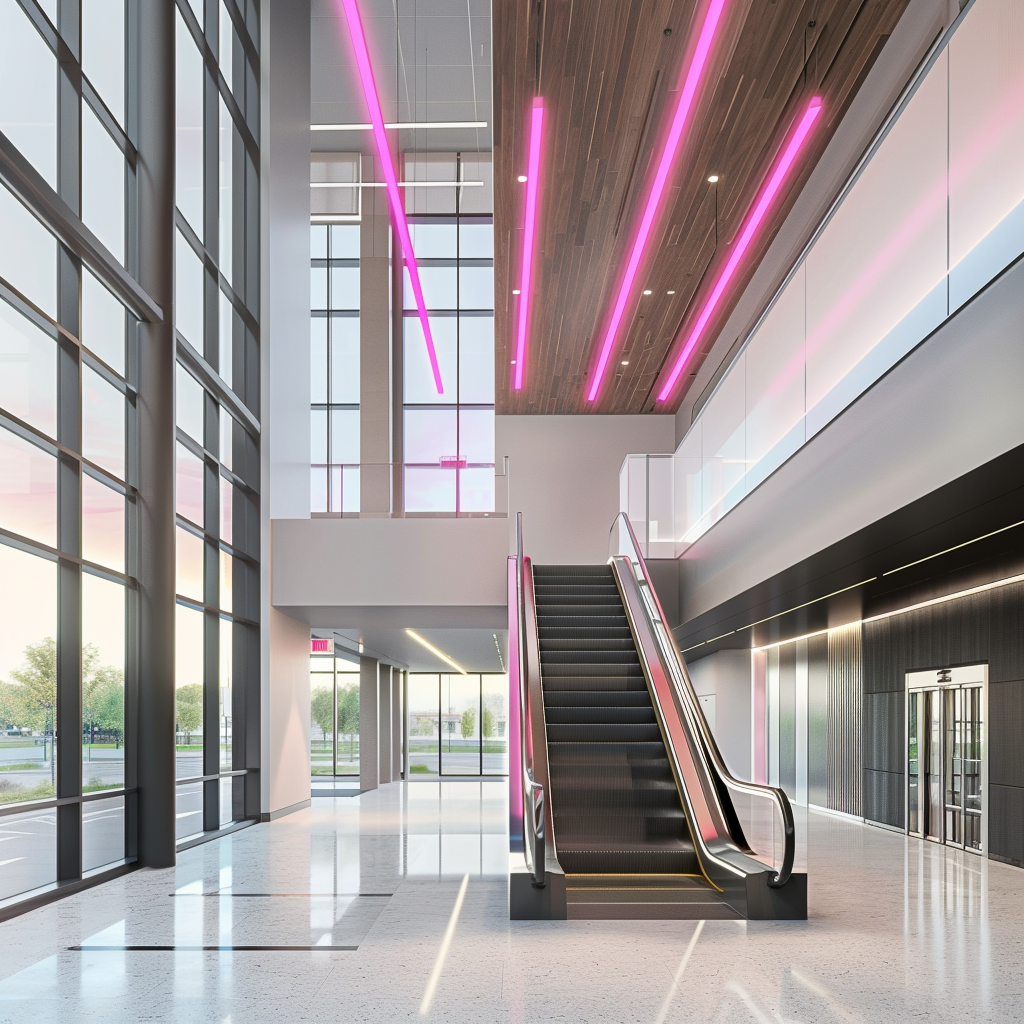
(399, 125)
(532, 174)
(401, 184)
(433, 650)
(355, 29)
(693, 77)
(743, 242)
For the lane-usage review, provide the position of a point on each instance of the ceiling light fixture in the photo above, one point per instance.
(532, 173)
(433, 650)
(625, 362)
(515, 291)
(768, 194)
(686, 96)
(647, 291)
(521, 179)
(670, 293)
(713, 179)
(355, 29)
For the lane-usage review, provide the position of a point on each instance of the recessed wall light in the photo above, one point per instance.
(647, 291)
(513, 362)
(625, 362)
(515, 291)
(713, 178)
(670, 293)
(521, 179)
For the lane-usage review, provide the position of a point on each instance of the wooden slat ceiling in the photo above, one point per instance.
(608, 73)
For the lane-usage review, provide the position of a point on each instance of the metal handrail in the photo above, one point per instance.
(533, 792)
(673, 660)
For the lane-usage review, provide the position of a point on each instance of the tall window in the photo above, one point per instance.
(334, 720)
(334, 368)
(448, 439)
(217, 402)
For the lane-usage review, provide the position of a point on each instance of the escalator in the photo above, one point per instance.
(629, 809)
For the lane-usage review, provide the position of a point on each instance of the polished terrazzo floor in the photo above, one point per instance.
(898, 930)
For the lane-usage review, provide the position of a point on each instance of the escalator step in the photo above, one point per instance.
(597, 699)
(586, 732)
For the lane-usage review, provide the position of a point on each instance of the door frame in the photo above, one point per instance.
(945, 679)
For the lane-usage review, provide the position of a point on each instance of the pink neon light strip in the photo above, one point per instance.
(753, 222)
(693, 76)
(355, 28)
(532, 174)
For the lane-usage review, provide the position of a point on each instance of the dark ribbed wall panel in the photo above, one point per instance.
(845, 744)
(817, 721)
(987, 627)
(787, 719)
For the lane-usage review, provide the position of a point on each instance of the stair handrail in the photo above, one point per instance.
(673, 659)
(533, 791)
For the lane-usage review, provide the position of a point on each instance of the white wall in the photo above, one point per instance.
(726, 674)
(286, 765)
(564, 477)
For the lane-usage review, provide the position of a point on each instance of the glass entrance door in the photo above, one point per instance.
(944, 764)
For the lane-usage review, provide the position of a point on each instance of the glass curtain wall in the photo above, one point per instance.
(458, 724)
(217, 403)
(68, 364)
(334, 719)
(334, 368)
(448, 439)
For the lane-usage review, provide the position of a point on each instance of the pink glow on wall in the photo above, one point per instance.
(742, 243)
(532, 176)
(683, 107)
(355, 28)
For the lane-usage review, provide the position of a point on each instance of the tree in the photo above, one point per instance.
(188, 708)
(103, 702)
(348, 715)
(488, 723)
(468, 723)
(321, 711)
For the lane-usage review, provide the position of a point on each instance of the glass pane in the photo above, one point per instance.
(226, 331)
(476, 240)
(226, 674)
(103, 423)
(227, 788)
(103, 323)
(189, 128)
(344, 436)
(321, 710)
(188, 697)
(344, 288)
(349, 489)
(724, 448)
(103, 646)
(318, 488)
(226, 581)
(189, 562)
(439, 284)
(318, 436)
(29, 842)
(188, 404)
(102, 524)
(318, 288)
(460, 725)
(28, 691)
(344, 241)
(424, 701)
(344, 360)
(28, 382)
(434, 239)
(318, 360)
(913, 766)
(28, 489)
(102, 832)
(226, 139)
(318, 241)
(28, 257)
(188, 477)
(429, 489)
(102, 184)
(476, 287)
(188, 292)
(103, 51)
(476, 435)
(188, 807)
(972, 751)
(430, 435)
(226, 41)
(226, 504)
(476, 490)
(28, 91)
(348, 720)
(419, 384)
(494, 690)
(476, 359)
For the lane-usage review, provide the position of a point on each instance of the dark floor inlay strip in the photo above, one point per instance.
(204, 949)
(290, 895)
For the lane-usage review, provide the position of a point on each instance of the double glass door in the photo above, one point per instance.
(944, 764)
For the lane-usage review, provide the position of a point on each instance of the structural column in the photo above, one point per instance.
(369, 714)
(384, 723)
(397, 707)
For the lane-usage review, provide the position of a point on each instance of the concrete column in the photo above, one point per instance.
(384, 723)
(397, 710)
(369, 711)
(375, 349)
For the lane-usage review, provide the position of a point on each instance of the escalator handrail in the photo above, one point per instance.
(533, 791)
(674, 661)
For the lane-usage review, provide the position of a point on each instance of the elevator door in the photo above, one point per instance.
(944, 764)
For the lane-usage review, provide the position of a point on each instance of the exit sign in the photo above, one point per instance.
(319, 646)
